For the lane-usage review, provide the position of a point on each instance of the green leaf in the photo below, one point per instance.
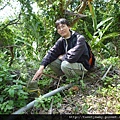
(1, 99)
(11, 92)
(94, 19)
(1, 79)
(114, 34)
(13, 75)
(87, 32)
(103, 22)
(106, 28)
(22, 41)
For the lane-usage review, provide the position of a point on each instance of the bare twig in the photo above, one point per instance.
(59, 82)
(10, 46)
(52, 76)
(15, 21)
(51, 106)
(76, 9)
(3, 7)
(78, 15)
(106, 72)
(51, 110)
(81, 9)
(68, 3)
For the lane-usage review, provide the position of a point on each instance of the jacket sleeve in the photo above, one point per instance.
(76, 52)
(53, 53)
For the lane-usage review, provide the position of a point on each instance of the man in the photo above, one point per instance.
(69, 56)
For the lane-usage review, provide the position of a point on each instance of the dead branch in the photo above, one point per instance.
(76, 9)
(106, 72)
(9, 46)
(80, 10)
(75, 14)
(51, 107)
(3, 7)
(68, 3)
(51, 76)
(15, 21)
(82, 6)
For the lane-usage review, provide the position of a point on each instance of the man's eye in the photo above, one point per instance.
(63, 26)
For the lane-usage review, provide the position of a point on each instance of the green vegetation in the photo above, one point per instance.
(25, 39)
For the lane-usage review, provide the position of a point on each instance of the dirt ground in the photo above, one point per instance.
(85, 97)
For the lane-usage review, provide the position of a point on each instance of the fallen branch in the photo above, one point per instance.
(51, 105)
(52, 76)
(106, 72)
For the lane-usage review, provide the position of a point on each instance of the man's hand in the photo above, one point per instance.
(60, 57)
(39, 73)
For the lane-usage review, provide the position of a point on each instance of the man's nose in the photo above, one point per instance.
(61, 28)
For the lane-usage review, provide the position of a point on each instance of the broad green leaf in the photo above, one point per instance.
(22, 41)
(103, 22)
(87, 32)
(106, 28)
(11, 92)
(110, 35)
(94, 19)
(0, 79)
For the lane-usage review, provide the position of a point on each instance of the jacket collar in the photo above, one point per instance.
(72, 34)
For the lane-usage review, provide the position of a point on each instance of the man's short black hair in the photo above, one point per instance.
(61, 21)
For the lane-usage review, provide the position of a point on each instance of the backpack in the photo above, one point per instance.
(92, 57)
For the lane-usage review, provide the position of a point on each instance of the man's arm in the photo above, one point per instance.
(52, 54)
(76, 52)
(39, 73)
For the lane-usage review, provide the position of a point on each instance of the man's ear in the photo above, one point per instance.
(69, 27)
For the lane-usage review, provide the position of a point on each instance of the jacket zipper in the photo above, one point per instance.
(66, 46)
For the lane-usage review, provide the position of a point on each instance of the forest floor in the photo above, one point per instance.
(94, 95)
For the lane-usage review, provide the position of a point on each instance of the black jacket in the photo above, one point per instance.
(77, 50)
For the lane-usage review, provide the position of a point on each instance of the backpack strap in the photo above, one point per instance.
(90, 59)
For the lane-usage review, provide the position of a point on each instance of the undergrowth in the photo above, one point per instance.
(92, 95)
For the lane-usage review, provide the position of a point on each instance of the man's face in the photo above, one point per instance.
(63, 30)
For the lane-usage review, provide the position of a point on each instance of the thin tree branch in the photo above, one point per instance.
(75, 14)
(76, 9)
(68, 3)
(15, 21)
(9, 46)
(3, 7)
(81, 9)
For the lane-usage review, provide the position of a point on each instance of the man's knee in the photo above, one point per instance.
(64, 65)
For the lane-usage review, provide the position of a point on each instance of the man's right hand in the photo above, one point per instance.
(60, 57)
(39, 73)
